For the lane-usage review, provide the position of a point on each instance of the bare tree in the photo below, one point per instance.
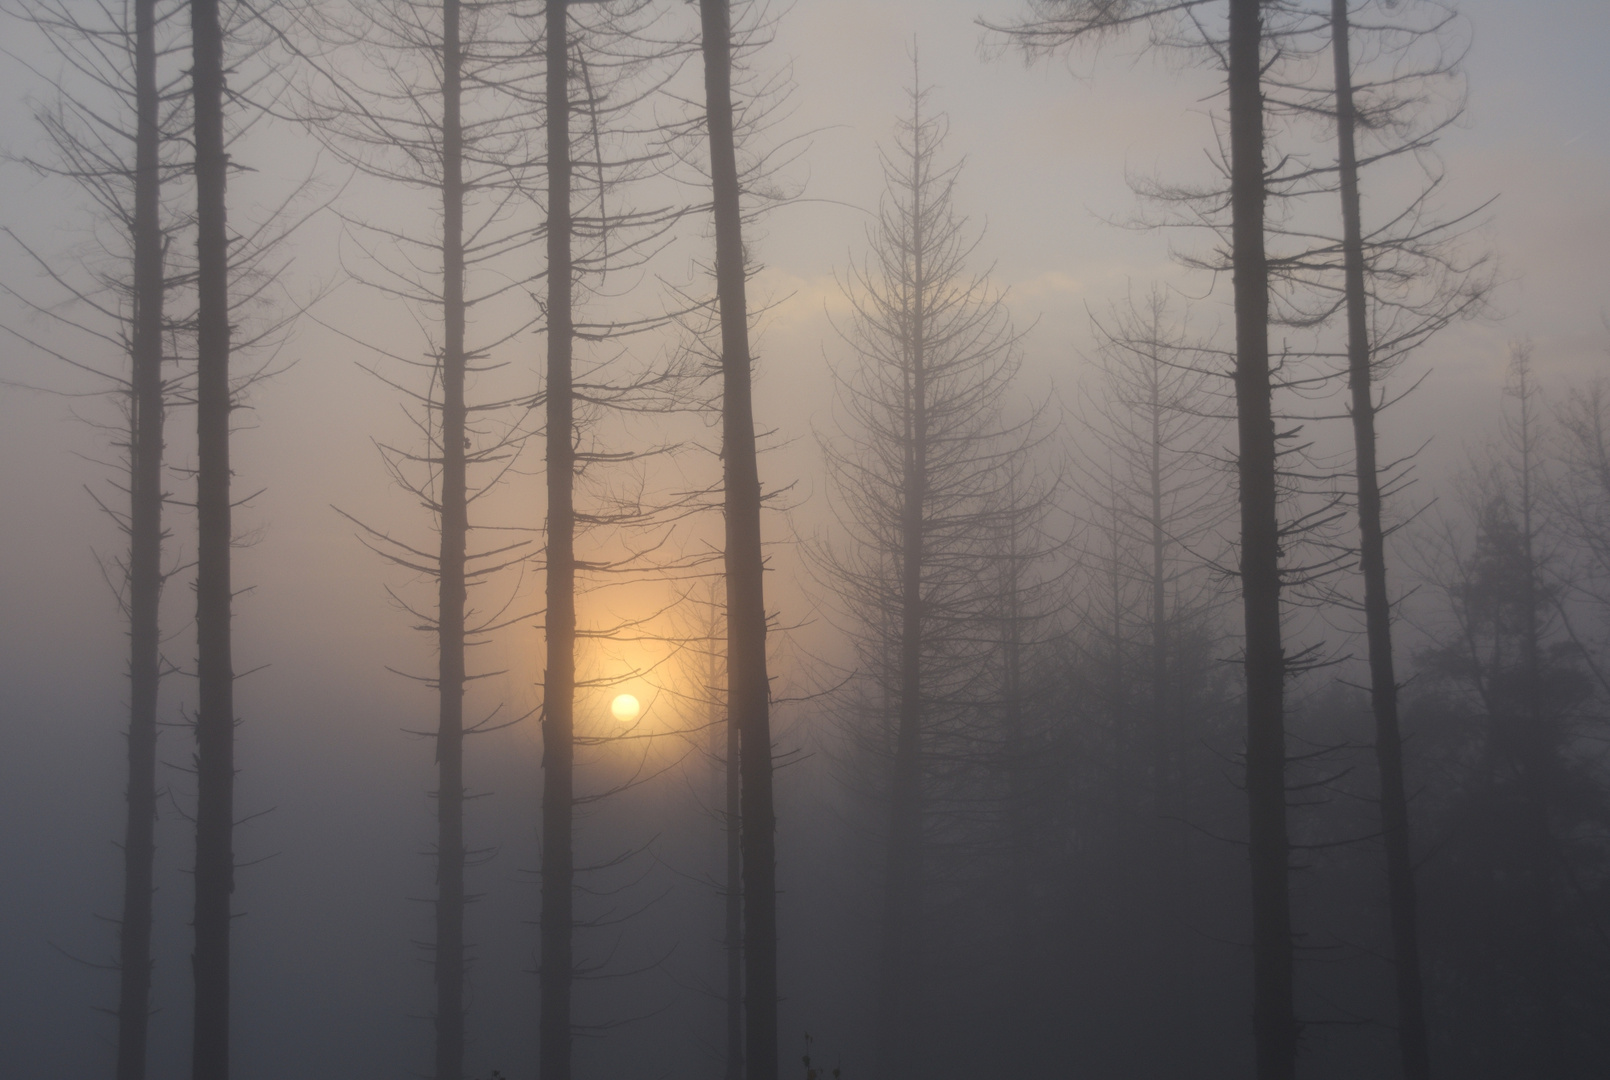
(559, 672)
(145, 555)
(443, 115)
(1243, 46)
(1154, 483)
(1372, 564)
(1580, 505)
(748, 688)
(927, 487)
(1518, 880)
(215, 714)
(112, 132)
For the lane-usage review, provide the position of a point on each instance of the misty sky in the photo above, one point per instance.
(323, 745)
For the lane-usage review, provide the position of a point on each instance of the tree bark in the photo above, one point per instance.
(1162, 743)
(748, 688)
(559, 686)
(449, 955)
(215, 714)
(1412, 1043)
(145, 561)
(902, 931)
(734, 919)
(1274, 1018)
(1020, 965)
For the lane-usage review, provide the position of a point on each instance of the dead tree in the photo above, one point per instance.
(1372, 565)
(112, 133)
(922, 485)
(444, 118)
(597, 71)
(1518, 883)
(1153, 473)
(1243, 45)
(1401, 281)
(215, 713)
(748, 689)
(559, 674)
(145, 556)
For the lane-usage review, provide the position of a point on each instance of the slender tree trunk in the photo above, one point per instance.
(1170, 949)
(1274, 1017)
(559, 688)
(902, 916)
(1412, 1044)
(449, 956)
(1536, 756)
(215, 715)
(734, 924)
(1162, 744)
(1117, 676)
(145, 561)
(748, 689)
(1020, 963)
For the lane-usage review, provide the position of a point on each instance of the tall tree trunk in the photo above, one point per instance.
(215, 715)
(449, 956)
(1274, 1017)
(1412, 1043)
(559, 686)
(1537, 757)
(1020, 936)
(1170, 949)
(145, 561)
(748, 689)
(732, 936)
(902, 915)
(1162, 743)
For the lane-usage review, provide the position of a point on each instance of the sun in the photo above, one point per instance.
(625, 708)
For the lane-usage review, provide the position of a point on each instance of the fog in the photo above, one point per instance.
(1051, 944)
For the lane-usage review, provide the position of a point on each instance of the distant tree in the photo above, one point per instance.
(1521, 877)
(1157, 497)
(1151, 412)
(928, 485)
(1579, 503)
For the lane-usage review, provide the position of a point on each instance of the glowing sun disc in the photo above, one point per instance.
(625, 708)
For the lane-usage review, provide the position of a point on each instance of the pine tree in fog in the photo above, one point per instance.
(1520, 879)
(114, 150)
(145, 555)
(556, 963)
(1244, 43)
(1390, 262)
(451, 591)
(1158, 497)
(443, 117)
(596, 71)
(926, 481)
(748, 688)
(215, 675)
(1580, 507)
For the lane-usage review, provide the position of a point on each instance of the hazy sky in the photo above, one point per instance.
(1047, 152)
